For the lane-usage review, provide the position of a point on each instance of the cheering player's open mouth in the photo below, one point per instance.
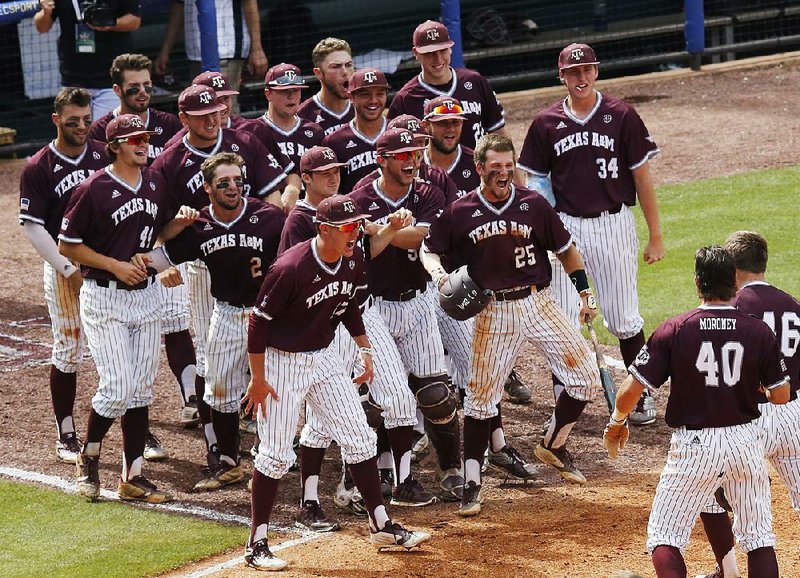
(582, 87)
(409, 170)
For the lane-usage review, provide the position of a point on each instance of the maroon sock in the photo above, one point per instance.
(62, 391)
(262, 499)
(567, 411)
(476, 438)
(365, 475)
(203, 408)
(180, 354)
(383, 439)
(98, 427)
(226, 427)
(719, 533)
(400, 441)
(310, 465)
(134, 431)
(668, 562)
(762, 563)
(630, 348)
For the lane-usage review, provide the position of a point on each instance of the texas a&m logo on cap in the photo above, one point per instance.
(405, 137)
(205, 97)
(349, 207)
(328, 154)
(576, 54)
(432, 34)
(370, 77)
(217, 82)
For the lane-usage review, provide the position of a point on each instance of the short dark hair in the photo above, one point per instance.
(210, 165)
(492, 142)
(110, 152)
(715, 273)
(71, 95)
(748, 250)
(125, 62)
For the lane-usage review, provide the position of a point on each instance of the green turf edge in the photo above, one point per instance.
(48, 533)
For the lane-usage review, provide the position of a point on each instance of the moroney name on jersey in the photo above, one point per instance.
(581, 139)
(494, 228)
(718, 323)
(232, 240)
(134, 206)
(331, 290)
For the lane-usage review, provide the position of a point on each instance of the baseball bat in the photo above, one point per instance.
(607, 381)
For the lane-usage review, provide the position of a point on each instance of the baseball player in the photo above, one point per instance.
(237, 238)
(443, 122)
(180, 166)
(432, 49)
(306, 293)
(399, 285)
(502, 233)
(717, 360)
(294, 135)
(779, 424)
(354, 143)
(116, 213)
(596, 150)
(46, 185)
(330, 108)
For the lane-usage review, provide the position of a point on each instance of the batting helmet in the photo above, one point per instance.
(461, 298)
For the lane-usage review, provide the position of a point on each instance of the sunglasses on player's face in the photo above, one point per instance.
(134, 90)
(287, 80)
(225, 184)
(137, 140)
(347, 227)
(444, 109)
(405, 156)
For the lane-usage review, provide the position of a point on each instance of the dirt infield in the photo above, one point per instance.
(723, 121)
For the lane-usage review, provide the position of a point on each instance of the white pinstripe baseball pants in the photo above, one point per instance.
(64, 308)
(698, 463)
(457, 340)
(781, 437)
(227, 367)
(201, 305)
(318, 377)
(175, 301)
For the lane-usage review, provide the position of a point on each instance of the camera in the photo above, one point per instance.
(99, 13)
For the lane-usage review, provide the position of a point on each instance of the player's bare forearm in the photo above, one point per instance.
(124, 271)
(433, 265)
(174, 25)
(257, 60)
(571, 259)
(291, 192)
(125, 23)
(654, 250)
(381, 236)
(185, 217)
(628, 395)
(409, 238)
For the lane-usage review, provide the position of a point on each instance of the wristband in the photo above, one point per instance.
(365, 350)
(580, 280)
(617, 417)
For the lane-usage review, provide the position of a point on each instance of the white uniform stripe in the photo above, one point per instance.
(226, 357)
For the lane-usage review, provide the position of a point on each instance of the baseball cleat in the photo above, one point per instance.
(153, 451)
(516, 391)
(140, 489)
(219, 476)
(350, 499)
(410, 493)
(561, 460)
(68, 447)
(716, 574)
(387, 482)
(88, 478)
(510, 462)
(451, 484)
(259, 556)
(394, 534)
(645, 412)
(471, 500)
(248, 426)
(420, 446)
(311, 517)
(188, 416)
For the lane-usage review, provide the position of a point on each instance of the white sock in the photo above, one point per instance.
(381, 517)
(472, 471)
(310, 489)
(405, 467)
(385, 461)
(211, 436)
(260, 533)
(498, 440)
(67, 426)
(187, 382)
(419, 427)
(92, 449)
(729, 568)
(136, 468)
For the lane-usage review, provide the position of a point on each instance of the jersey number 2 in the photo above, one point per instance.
(731, 355)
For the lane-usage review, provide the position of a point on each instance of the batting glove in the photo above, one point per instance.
(615, 436)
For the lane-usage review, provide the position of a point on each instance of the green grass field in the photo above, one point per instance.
(49, 533)
(706, 212)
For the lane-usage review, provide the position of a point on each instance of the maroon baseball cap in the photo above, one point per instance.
(283, 76)
(366, 77)
(408, 122)
(396, 140)
(319, 159)
(338, 210)
(124, 126)
(431, 36)
(217, 81)
(198, 100)
(443, 107)
(576, 55)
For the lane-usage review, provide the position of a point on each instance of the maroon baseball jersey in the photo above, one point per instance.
(781, 312)
(164, 124)
(180, 167)
(462, 172)
(115, 219)
(355, 149)
(48, 180)
(397, 270)
(292, 143)
(431, 175)
(299, 225)
(590, 161)
(503, 244)
(237, 254)
(314, 111)
(716, 358)
(483, 111)
(303, 299)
